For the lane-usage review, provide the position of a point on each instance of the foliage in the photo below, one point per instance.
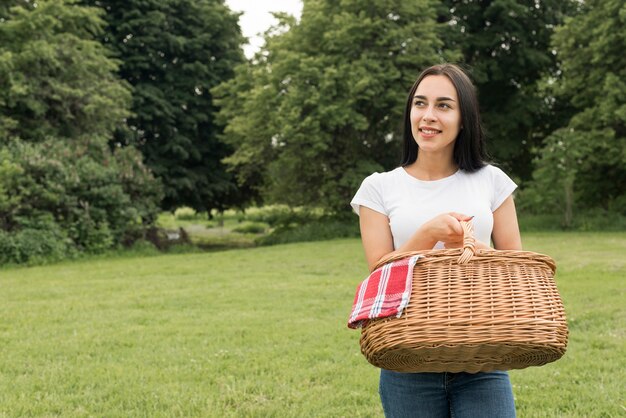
(320, 106)
(506, 46)
(38, 241)
(283, 215)
(62, 189)
(173, 52)
(6, 5)
(82, 195)
(594, 219)
(250, 228)
(218, 334)
(56, 80)
(186, 214)
(317, 110)
(320, 230)
(583, 165)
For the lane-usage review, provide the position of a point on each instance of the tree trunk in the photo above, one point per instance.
(569, 202)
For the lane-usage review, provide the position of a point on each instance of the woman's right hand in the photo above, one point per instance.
(446, 228)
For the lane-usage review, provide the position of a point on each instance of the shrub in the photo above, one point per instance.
(92, 236)
(185, 214)
(588, 220)
(143, 247)
(88, 197)
(37, 242)
(314, 231)
(251, 228)
(283, 216)
(600, 220)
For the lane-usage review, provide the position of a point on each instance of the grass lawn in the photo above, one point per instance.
(261, 333)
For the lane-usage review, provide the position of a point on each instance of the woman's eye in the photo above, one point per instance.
(444, 106)
(419, 103)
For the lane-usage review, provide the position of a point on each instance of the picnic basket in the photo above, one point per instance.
(472, 311)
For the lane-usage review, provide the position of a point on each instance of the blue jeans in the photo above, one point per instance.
(439, 395)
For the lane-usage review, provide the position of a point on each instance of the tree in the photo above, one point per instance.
(584, 163)
(90, 198)
(506, 46)
(6, 5)
(62, 188)
(55, 78)
(173, 52)
(320, 106)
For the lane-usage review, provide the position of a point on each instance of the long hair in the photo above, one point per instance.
(469, 148)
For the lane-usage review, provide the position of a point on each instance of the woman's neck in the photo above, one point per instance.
(432, 168)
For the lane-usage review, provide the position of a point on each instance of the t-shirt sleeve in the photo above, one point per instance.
(503, 187)
(370, 195)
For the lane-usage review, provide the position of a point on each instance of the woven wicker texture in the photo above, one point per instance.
(472, 310)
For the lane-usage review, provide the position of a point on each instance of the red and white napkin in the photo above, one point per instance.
(384, 293)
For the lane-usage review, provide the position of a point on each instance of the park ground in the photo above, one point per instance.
(261, 332)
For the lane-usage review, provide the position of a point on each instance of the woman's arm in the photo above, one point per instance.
(505, 233)
(378, 240)
(375, 235)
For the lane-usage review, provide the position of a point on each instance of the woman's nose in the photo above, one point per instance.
(429, 114)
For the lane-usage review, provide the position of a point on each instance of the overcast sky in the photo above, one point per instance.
(256, 18)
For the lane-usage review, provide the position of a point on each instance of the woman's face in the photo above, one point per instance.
(435, 115)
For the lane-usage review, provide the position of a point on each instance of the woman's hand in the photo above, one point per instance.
(446, 228)
(378, 240)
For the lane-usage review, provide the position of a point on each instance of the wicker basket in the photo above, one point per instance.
(472, 310)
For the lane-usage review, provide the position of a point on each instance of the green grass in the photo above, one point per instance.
(261, 333)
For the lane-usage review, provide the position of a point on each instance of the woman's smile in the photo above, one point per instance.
(428, 132)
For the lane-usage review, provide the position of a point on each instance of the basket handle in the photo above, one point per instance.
(469, 248)
(469, 242)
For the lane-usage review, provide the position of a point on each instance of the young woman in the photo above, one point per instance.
(443, 179)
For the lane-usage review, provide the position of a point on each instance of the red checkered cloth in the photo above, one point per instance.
(384, 293)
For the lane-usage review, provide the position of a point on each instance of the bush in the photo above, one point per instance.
(539, 222)
(251, 228)
(314, 231)
(283, 216)
(588, 220)
(185, 214)
(91, 236)
(599, 220)
(87, 197)
(143, 247)
(39, 242)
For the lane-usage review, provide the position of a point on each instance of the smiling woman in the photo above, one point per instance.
(443, 179)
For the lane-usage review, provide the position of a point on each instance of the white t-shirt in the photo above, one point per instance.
(409, 202)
